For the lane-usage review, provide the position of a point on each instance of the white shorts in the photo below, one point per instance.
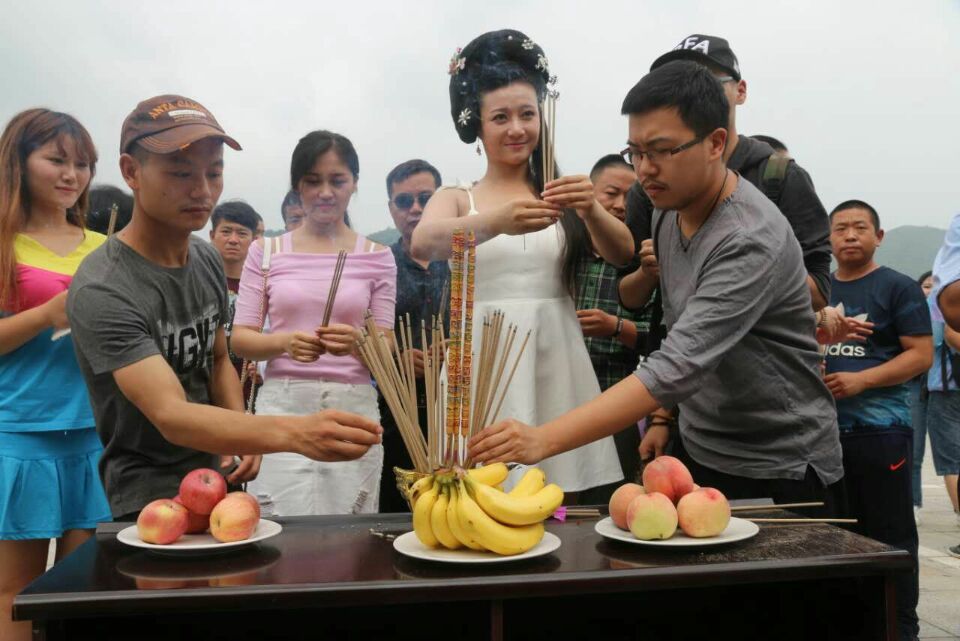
(292, 485)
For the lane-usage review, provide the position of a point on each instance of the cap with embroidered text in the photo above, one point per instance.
(705, 50)
(168, 123)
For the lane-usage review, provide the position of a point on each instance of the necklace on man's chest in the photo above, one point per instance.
(685, 243)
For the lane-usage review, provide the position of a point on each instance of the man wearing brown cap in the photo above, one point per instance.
(147, 312)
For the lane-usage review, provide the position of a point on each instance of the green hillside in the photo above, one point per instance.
(910, 250)
(387, 236)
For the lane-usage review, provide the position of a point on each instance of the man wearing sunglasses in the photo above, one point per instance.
(420, 287)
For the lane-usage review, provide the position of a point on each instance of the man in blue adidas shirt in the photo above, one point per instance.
(868, 380)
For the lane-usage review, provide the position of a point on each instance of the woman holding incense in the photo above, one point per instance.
(49, 449)
(529, 236)
(312, 365)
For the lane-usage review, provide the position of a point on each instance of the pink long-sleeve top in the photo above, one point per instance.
(297, 289)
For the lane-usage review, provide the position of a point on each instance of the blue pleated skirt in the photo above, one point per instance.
(49, 483)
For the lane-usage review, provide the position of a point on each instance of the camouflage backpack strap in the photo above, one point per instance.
(774, 173)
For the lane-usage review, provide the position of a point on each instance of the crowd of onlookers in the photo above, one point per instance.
(698, 258)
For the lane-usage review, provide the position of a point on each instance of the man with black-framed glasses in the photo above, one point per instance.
(740, 358)
(774, 173)
(420, 286)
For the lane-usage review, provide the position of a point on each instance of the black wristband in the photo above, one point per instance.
(616, 332)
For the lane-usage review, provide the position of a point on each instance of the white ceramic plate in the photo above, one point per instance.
(198, 544)
(409, 545)
(737, 530)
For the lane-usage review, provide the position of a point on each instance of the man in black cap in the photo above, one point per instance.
(147, 311)
(775, 174)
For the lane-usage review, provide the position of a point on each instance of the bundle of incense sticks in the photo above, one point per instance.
(474, 390)
(435, 353)
(334, 285)
(394, 372)
(548, 129)
(455, 351)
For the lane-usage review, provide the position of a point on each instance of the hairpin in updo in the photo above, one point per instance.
(457, 63)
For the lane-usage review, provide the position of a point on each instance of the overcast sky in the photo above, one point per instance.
(865, 94)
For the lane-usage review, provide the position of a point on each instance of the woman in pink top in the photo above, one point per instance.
(311, 367)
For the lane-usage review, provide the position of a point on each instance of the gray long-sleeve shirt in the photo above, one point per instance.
(740, 358)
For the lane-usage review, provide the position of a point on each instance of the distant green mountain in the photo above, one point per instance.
(387, 236)
(909, 249)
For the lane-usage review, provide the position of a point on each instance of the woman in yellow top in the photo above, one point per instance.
(49, 450)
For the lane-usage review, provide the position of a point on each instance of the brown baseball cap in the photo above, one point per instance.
(168, 123)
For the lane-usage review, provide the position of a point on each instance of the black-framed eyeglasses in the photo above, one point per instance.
(405, 201)
(655, 156)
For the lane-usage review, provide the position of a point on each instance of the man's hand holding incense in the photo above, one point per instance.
(246, 470)
(509, 441)
(338, 339)
(648, 260)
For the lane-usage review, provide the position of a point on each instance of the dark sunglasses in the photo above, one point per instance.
(405, 201)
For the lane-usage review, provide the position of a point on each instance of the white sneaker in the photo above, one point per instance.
(916, 514)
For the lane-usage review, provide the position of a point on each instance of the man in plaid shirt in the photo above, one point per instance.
(614, 336)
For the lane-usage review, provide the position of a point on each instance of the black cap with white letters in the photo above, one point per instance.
(705, 50)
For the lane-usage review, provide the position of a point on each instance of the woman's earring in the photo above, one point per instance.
(479, 153)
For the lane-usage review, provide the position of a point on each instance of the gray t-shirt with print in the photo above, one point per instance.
(124, 308)
(740, 358)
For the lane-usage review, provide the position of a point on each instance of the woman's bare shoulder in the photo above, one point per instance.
(452, 197)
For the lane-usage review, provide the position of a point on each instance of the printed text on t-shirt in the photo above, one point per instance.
(190, 347)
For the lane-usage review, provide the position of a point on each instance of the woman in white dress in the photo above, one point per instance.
(527, 234)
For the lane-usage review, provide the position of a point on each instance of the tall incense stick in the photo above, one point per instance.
(112, 225)
(334, 285)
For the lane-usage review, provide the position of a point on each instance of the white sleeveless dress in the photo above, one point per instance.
(521, 276)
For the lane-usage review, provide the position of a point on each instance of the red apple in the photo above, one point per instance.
(248, 497)
(233, 519)
(196, 523)
(202, 489)
(162, 522)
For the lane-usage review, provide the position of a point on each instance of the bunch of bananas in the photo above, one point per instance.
(467, 509)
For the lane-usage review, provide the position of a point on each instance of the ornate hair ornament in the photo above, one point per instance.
(542, 64)
(480, 63)
(457, 63)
